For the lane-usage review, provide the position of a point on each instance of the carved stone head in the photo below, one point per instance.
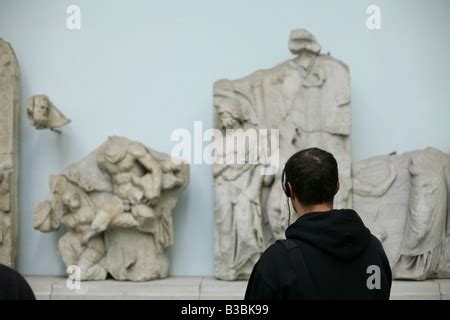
(43, 114)
(229, 116)
(227, 106)
(302, 40)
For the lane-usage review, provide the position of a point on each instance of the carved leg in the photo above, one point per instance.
(86, 257)
(124, 220)
(90, 260)
(70, 248)
(106, 214)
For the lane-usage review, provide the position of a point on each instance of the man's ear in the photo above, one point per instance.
(337, 187)
(291, 191)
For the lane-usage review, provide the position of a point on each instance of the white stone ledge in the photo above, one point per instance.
(445, 289)
(195, 288)
(416, 290)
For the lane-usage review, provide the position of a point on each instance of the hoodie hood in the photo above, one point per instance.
(339, 233)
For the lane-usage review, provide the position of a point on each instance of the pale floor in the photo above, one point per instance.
(199, 288)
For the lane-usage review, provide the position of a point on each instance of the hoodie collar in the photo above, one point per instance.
(339, 233)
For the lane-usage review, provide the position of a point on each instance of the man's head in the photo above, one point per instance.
(312, 177)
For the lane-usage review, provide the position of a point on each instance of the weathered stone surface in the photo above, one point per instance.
(117, 205)
(307, 99)
(43, 114)
(9, 152)
(404, 201)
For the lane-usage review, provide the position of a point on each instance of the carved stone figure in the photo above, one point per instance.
(9, 152)
(43, 114)
(404, 201)
(307, 99)
(237, 190)
(116, 204)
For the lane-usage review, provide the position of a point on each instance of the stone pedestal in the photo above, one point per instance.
(198, 288)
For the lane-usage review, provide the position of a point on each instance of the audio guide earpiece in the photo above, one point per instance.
(287, 191)
(285, 184)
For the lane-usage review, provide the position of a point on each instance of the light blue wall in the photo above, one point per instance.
(144, 68)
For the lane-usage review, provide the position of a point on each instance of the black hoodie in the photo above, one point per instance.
(338, 252)
(13, 286)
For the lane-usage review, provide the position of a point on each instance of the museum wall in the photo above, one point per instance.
(142, 69)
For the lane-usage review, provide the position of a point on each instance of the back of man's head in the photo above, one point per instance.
(313, 175)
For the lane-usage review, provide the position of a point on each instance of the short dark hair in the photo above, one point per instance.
(313, 175)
